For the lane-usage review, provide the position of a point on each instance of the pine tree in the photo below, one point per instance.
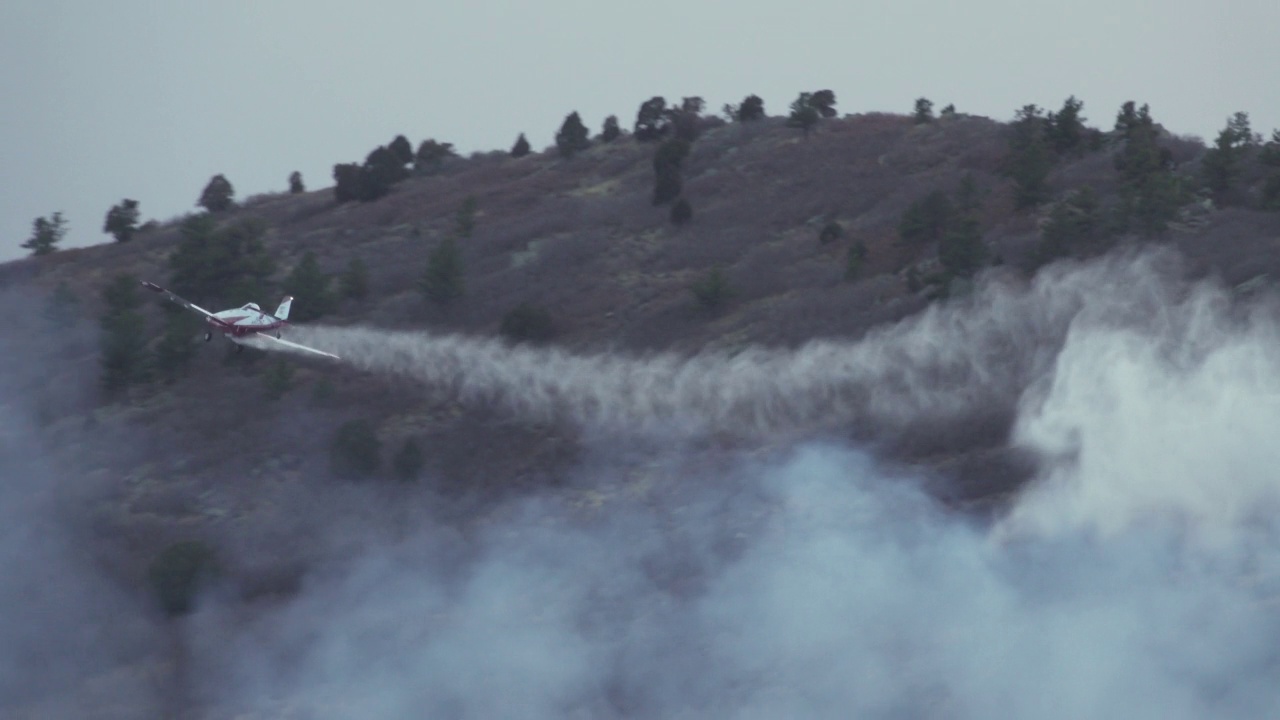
(443, 283)
(668, 162)
(123, 343)
(961, 250)
(1065, 129)
(348, 182)
(924, 111)
(465, 218)
(176, 348)
(355, 280)
(1030, 157)
(295, 183)
(573, 136)
(1074, 228)
(521, 148)
(46, 233)
(382, 169)
(122, 220)
(751, 109)
(652, 120)
(401, 149)
(355, 452)
(926, 219)
(277, 380)
(217, 195)
(1149, 192)
(431, 155)
(803, 113)
(309, 287)
(1221, 162)
(408, 461)
(610, 131)
(219, 267)
(824, 101)
(681, 212)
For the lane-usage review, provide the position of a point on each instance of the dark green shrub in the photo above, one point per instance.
(527, 323)
(295, 183)
(854, 260)
(925, 220)
(442, 283)
(408, 461)
(830, 232)
(177, 573)
(681, 212)
(309, 287)
(62, 308)
(1029, 158)
(277, 380)
(712, 291)
(124, 336)
(355, 280)
(355, 450)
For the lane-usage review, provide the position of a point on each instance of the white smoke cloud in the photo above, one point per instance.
(1134, 578)
(826, 588)
(1165, 419)
(1138, 576)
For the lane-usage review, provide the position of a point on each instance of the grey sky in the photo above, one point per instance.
(149, 100)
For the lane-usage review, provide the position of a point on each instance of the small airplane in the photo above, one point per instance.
(245, 323)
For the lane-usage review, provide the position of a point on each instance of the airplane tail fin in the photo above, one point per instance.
(282, 312)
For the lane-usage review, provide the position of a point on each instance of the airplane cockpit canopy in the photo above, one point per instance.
(251, 306)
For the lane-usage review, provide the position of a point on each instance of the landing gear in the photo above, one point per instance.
(277, 334)
(208, 336)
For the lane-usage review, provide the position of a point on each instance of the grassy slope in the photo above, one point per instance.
(578, 237)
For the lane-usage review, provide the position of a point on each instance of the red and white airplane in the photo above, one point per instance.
(244, 324)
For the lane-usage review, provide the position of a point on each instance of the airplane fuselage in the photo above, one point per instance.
(243, 321)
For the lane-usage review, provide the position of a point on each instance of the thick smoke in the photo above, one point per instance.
(73, 643)
(815, 585)
(1135, 578)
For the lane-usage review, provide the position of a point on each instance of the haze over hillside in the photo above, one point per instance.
(928, 416)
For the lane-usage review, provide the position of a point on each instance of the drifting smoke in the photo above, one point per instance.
(1137, 577)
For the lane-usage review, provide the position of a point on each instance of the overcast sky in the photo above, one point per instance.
(147, 100)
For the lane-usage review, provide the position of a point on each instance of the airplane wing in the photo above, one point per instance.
(180, 301)
(296, 346)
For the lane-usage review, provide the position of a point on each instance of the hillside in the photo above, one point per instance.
(211, 456)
